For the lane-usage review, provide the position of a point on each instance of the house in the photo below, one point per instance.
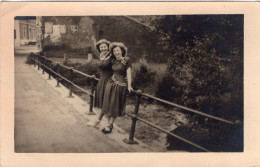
(24, 30)
(72, 34)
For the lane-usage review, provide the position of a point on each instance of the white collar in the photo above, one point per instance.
(104, 57)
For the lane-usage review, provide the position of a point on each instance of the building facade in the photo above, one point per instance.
(24, 31)
(73, 34)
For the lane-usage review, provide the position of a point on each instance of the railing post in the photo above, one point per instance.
(34, 59)
(42, 64)
(38, 62)
(92, 96)
(71, 80)
(49, 66)
(130, 140)
(58, 78)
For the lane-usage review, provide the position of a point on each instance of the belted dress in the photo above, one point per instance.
(114, 103)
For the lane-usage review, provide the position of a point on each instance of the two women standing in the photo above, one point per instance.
(114, 82)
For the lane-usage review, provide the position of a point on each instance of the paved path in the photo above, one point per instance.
(47, 121)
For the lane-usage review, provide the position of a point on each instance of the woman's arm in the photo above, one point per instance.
(93, 38)
(129, 79)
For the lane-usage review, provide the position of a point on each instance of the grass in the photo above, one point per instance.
(160, 68)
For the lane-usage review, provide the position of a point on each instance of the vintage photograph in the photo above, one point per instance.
(129, 83)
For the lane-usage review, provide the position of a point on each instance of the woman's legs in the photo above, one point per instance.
(100, 116)
(112, 120)
(96, 123)
(109, 127)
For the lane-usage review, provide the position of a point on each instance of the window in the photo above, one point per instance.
(33, 34)
(24, 33)
(30, 34)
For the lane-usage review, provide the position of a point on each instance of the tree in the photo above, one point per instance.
(205, 58)
(206, 66)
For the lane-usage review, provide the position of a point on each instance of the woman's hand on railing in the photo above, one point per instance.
(130, 89)
(54, 63)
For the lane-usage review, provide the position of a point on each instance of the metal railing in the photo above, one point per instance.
(46, 65)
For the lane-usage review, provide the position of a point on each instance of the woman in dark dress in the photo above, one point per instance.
(114, 102)
(105, 65)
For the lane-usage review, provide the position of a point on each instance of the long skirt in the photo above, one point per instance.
(114, 103)
(101, 86)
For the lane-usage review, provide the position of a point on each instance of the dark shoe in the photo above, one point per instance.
(107, 129)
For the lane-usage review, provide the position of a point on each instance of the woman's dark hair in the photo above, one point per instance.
(101, 42)
(120, 45)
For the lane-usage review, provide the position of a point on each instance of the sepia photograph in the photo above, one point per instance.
(129, 84)
(162, 83)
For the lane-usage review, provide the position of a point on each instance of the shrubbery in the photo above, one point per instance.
(52, 47)
(89, 68)
(29, 58)
(165, 88)
(143, 77)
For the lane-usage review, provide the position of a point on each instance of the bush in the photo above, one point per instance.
(29, 58)
(199, 75)
(169, 89)
(143, 78)
(165, 88)
(137, 66)
(51, 47)
(89, 68)
(205, 81)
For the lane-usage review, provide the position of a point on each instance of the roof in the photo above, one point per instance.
(137, 21)
(25, 18)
